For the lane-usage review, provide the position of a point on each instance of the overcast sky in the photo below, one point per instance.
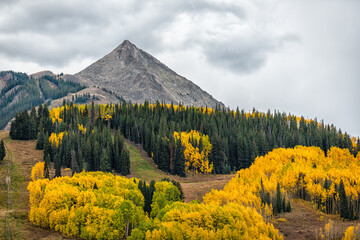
(300, 57)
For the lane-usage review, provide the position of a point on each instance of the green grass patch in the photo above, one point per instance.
(140, 167)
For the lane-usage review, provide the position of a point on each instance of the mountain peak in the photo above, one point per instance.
(126, 44)
(137, 76)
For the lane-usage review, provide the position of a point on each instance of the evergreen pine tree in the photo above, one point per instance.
(57, 165)
(179, 160)
(97, 154)
(278, 200)
(288, 207)
(40, 141)
(125, 160)
(217, 154)
(344, 207)
(283, 205)
(2, 150)
(74, 164)
(33, 114)
(105, 164)
(47, 166)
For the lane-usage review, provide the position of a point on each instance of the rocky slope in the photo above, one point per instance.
(137, 76)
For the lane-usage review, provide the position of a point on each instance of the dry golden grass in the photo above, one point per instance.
(23, 158)
(304, 222)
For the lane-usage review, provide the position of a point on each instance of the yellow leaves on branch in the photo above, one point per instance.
(37, 172)
(91, 205)
(178, 108)
(196, 159)
(55, 114)
(105, 111)
(82, 129)
(352, 233)
(55, 139)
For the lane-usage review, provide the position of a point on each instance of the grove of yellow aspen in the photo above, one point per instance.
(195, 159)
(296, 169)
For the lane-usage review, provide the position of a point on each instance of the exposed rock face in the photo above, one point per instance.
(137, 76)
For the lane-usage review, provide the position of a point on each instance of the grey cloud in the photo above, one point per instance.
(68, 28)
(238, 57)
(46, 18)
(243, 56)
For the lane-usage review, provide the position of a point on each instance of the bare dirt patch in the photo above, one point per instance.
(304, 222)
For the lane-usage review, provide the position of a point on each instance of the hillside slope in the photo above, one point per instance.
(19, 92)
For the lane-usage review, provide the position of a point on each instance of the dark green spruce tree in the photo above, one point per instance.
(179, 160)
(344, 204)
(2, 150)
(40, 141)
(278, 208)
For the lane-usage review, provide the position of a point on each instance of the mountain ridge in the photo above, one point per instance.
(138, 76)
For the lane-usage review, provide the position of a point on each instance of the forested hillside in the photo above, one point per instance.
(20, 92)
(178, 138)
(182, 139)
(330, 182)
(236, 137)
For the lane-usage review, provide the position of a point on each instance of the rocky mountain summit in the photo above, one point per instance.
(137, 76)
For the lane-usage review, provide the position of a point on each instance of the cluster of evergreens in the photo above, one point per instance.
(2, 150)
(22, 93)
(54, 88)
(237, 137)
(279, 202)
(10, 102)
(120, 98)
(26, 127)
(83, 141)
(68, 143)
(85, 98)
(148, 192)
(23, 127)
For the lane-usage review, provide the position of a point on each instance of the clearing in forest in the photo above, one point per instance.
(195, 186)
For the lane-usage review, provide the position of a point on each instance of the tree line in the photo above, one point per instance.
(67, 143)
(169, 132)
(237, 137)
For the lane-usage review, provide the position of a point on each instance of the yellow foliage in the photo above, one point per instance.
(105, 110)
(196, 159)
(37, 172)
(165, 194)
(55, 139)
(199, 221)
(177, 108)
(55, 114)
(82, 129)
(295, 169)
(75, 207)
